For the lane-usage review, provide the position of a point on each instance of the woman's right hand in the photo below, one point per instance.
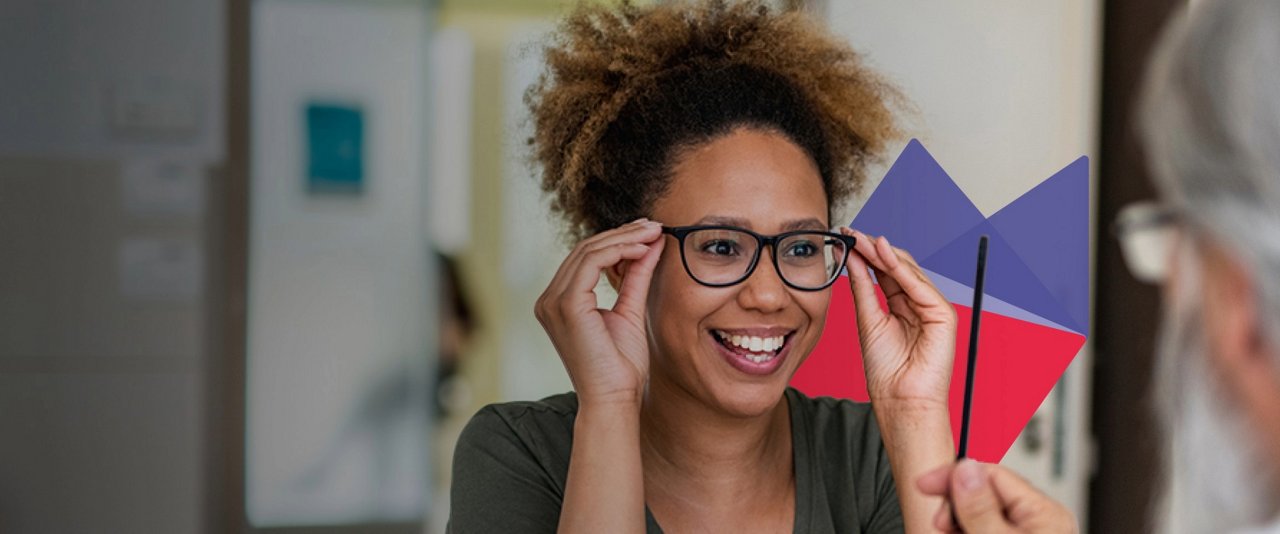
(605, 351)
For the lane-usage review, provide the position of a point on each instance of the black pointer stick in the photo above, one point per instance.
(973, 348)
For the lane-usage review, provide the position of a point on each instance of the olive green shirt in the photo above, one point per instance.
(512, 460)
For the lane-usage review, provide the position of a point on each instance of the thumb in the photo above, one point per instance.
(635, 284)
(975, 503)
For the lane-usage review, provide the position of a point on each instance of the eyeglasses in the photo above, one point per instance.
(721, 256)
(1147, 233)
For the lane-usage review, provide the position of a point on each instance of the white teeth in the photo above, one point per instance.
(765, 345)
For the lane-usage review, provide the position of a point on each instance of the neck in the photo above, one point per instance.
(700, 455)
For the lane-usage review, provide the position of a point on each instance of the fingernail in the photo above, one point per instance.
(640, 220)
(971, 475)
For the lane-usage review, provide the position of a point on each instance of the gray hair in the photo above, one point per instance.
(1210, 122)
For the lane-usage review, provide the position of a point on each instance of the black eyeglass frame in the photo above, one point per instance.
(680, 232)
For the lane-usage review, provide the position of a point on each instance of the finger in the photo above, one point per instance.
(570, 264)
(867, 247)
(643, 231)
(638, 231)
(1022, 501)
(905, 258)
(977, 506)
(634, 292)
(944, 520)
(936, 482)
(863, 288)
(894, 296)
(924, 296)
(904, 270)
(580, 294)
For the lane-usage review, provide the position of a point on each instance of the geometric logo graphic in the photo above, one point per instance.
(1035, 312)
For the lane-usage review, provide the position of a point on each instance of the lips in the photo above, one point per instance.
(753, 351)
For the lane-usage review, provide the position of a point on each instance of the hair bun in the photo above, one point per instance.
(602, 60)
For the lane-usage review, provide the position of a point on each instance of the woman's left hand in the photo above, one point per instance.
(907, 351)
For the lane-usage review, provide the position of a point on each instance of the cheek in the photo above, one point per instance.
(665, 282)
(814, 305)
(677, 304)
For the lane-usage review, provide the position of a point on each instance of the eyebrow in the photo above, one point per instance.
(810, 223)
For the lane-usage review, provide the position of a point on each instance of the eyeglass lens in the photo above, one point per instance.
(722, 256)
(1146, 240)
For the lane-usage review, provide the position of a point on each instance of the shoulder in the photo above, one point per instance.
(539, 427)
(510, 466)
(523, 415)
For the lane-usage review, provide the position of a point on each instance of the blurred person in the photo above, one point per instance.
(457, 326)
(697, 152)
(1210, 122)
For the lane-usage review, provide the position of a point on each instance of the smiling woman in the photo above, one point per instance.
(686, 145)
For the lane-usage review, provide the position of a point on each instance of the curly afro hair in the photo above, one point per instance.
(627, 88)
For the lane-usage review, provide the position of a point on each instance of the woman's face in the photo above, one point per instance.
(763, 182)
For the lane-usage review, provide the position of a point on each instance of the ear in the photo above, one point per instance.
(1237, 342)
(615, 273)
(1242, 355)
(1230, 308)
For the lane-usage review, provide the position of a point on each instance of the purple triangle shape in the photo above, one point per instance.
(1007, 277)
(917, 206)
(1048, 227)
(961, 293)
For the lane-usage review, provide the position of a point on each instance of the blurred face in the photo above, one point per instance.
(763, 182)
(1217, 467)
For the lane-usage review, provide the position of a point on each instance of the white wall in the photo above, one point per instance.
(339, 300)
(1005, 90)
(531, 368)
(1007, 96)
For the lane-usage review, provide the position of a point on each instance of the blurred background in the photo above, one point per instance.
(260, 260)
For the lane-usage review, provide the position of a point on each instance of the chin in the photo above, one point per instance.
(749, 401)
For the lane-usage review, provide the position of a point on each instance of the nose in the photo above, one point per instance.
(764, 290)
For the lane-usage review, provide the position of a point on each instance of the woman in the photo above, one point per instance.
(697, 153)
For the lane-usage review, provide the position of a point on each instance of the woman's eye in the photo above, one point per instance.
(720, 248)
(802, 249)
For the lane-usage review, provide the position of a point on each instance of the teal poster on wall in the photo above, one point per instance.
(335, 148)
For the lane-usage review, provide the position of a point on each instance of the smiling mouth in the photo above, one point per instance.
(756, 349)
